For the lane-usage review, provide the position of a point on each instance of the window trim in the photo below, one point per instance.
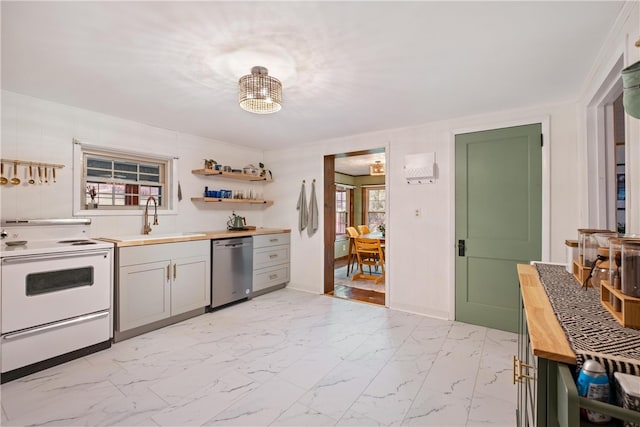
(345, 212)
(171, 199)
(350, 199)
(365, 201)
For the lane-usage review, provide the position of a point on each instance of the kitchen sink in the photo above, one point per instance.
(146, 237)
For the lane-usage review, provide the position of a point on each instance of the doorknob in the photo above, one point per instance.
(461, 247)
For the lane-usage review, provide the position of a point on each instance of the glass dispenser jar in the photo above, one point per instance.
(630, 267)
(601, 269)
(589, 242)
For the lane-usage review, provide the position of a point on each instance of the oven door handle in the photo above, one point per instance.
(31, 258)
(64, 323)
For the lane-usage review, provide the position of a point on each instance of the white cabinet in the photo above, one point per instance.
(271, 262)
(191, 287)
(159, 282)
(143, 294)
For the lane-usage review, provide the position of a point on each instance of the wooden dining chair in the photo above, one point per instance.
(369, 252)
(351, 258)
(363, 229)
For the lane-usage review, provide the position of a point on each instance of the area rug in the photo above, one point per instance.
(340, 278)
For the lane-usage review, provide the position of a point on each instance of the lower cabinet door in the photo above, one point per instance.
(143, 294)
(191, 287)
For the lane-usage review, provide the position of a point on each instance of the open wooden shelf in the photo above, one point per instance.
(237, 201)
(629, 313)
(230, 175)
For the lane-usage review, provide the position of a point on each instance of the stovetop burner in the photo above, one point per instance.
(48, 236)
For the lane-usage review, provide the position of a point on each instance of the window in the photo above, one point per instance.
(342, 211)
(375, 199)
(115, 180)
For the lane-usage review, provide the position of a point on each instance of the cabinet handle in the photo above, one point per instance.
(273, 256)
(168, 272)
(518, 375)
(273, 276)
(175, 269)
(273, 240)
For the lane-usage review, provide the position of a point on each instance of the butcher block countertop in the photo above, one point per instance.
(151, 239)
(547, 336)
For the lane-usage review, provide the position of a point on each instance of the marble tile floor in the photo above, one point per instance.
(287, 358)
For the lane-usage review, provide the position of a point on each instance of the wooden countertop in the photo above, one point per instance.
(547, 336)
(150, 239)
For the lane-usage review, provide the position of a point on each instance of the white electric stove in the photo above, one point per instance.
(56, 289)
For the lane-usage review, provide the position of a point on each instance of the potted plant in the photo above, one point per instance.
(264, 172)
(209, 163)
(92, 193)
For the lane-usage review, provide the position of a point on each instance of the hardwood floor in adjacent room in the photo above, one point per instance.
(346, 292)
(340, 290)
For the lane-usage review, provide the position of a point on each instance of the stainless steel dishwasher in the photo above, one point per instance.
(231, 270)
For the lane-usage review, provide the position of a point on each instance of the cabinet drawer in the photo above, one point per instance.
(131, 255)
(270, 276)
(270, 256)
(266, 240)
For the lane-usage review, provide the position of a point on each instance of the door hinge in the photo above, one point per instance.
(541, 140)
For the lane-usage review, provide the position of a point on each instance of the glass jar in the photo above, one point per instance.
(588, 245)
(630, 267)
(593, 242)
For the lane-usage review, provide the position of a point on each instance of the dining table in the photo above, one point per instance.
(374, 235)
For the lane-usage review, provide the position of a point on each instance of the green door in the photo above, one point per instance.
(498, 221)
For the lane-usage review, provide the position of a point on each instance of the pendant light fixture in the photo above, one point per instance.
(259, 92)
(377, 168)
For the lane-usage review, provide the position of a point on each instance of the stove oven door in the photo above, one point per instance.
(41, 289)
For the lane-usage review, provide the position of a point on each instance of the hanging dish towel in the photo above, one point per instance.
(303, 214)
(313, 211)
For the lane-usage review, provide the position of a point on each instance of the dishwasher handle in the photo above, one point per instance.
(237, 245)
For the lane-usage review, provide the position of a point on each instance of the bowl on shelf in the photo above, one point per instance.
(251, 170)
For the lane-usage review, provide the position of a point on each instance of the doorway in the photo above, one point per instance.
(355, 196)
(615, 165)
(606, 154)
(498, 224)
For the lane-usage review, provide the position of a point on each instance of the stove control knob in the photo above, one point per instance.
(4, 234)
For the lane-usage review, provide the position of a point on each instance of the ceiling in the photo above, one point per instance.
(346, 67)
(358, 165)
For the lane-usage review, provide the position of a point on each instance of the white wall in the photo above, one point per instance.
(420, 250)
(42, 131)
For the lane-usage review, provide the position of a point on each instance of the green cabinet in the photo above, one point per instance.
(547, 393)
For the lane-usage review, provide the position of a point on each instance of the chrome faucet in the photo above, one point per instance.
(147, 226)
